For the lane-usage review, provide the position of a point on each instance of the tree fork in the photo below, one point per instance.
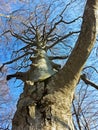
(47, 106)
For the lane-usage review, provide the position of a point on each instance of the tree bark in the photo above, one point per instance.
(47, 105)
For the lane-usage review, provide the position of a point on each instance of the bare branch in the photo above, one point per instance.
(22, 38)
(12, 61)
(17, 75)
(65, 8)
(61, 21)
(62, 38)
(77, 116)
(71, 21)
(57, 57)
(86, 122)
(54, 27)
(30, 28)
(23, 48)
(87, 81)
(4, 15)
(91, 67)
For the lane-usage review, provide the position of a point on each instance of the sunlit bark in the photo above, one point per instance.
(47, 105)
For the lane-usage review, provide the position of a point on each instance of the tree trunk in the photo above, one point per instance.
(47, 105)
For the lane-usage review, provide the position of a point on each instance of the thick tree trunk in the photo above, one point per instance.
(47, 105)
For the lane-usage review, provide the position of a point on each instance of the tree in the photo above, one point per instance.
(5, 98)
(46, 101)
(84, 108)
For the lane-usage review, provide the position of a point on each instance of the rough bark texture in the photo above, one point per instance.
(47, 105)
